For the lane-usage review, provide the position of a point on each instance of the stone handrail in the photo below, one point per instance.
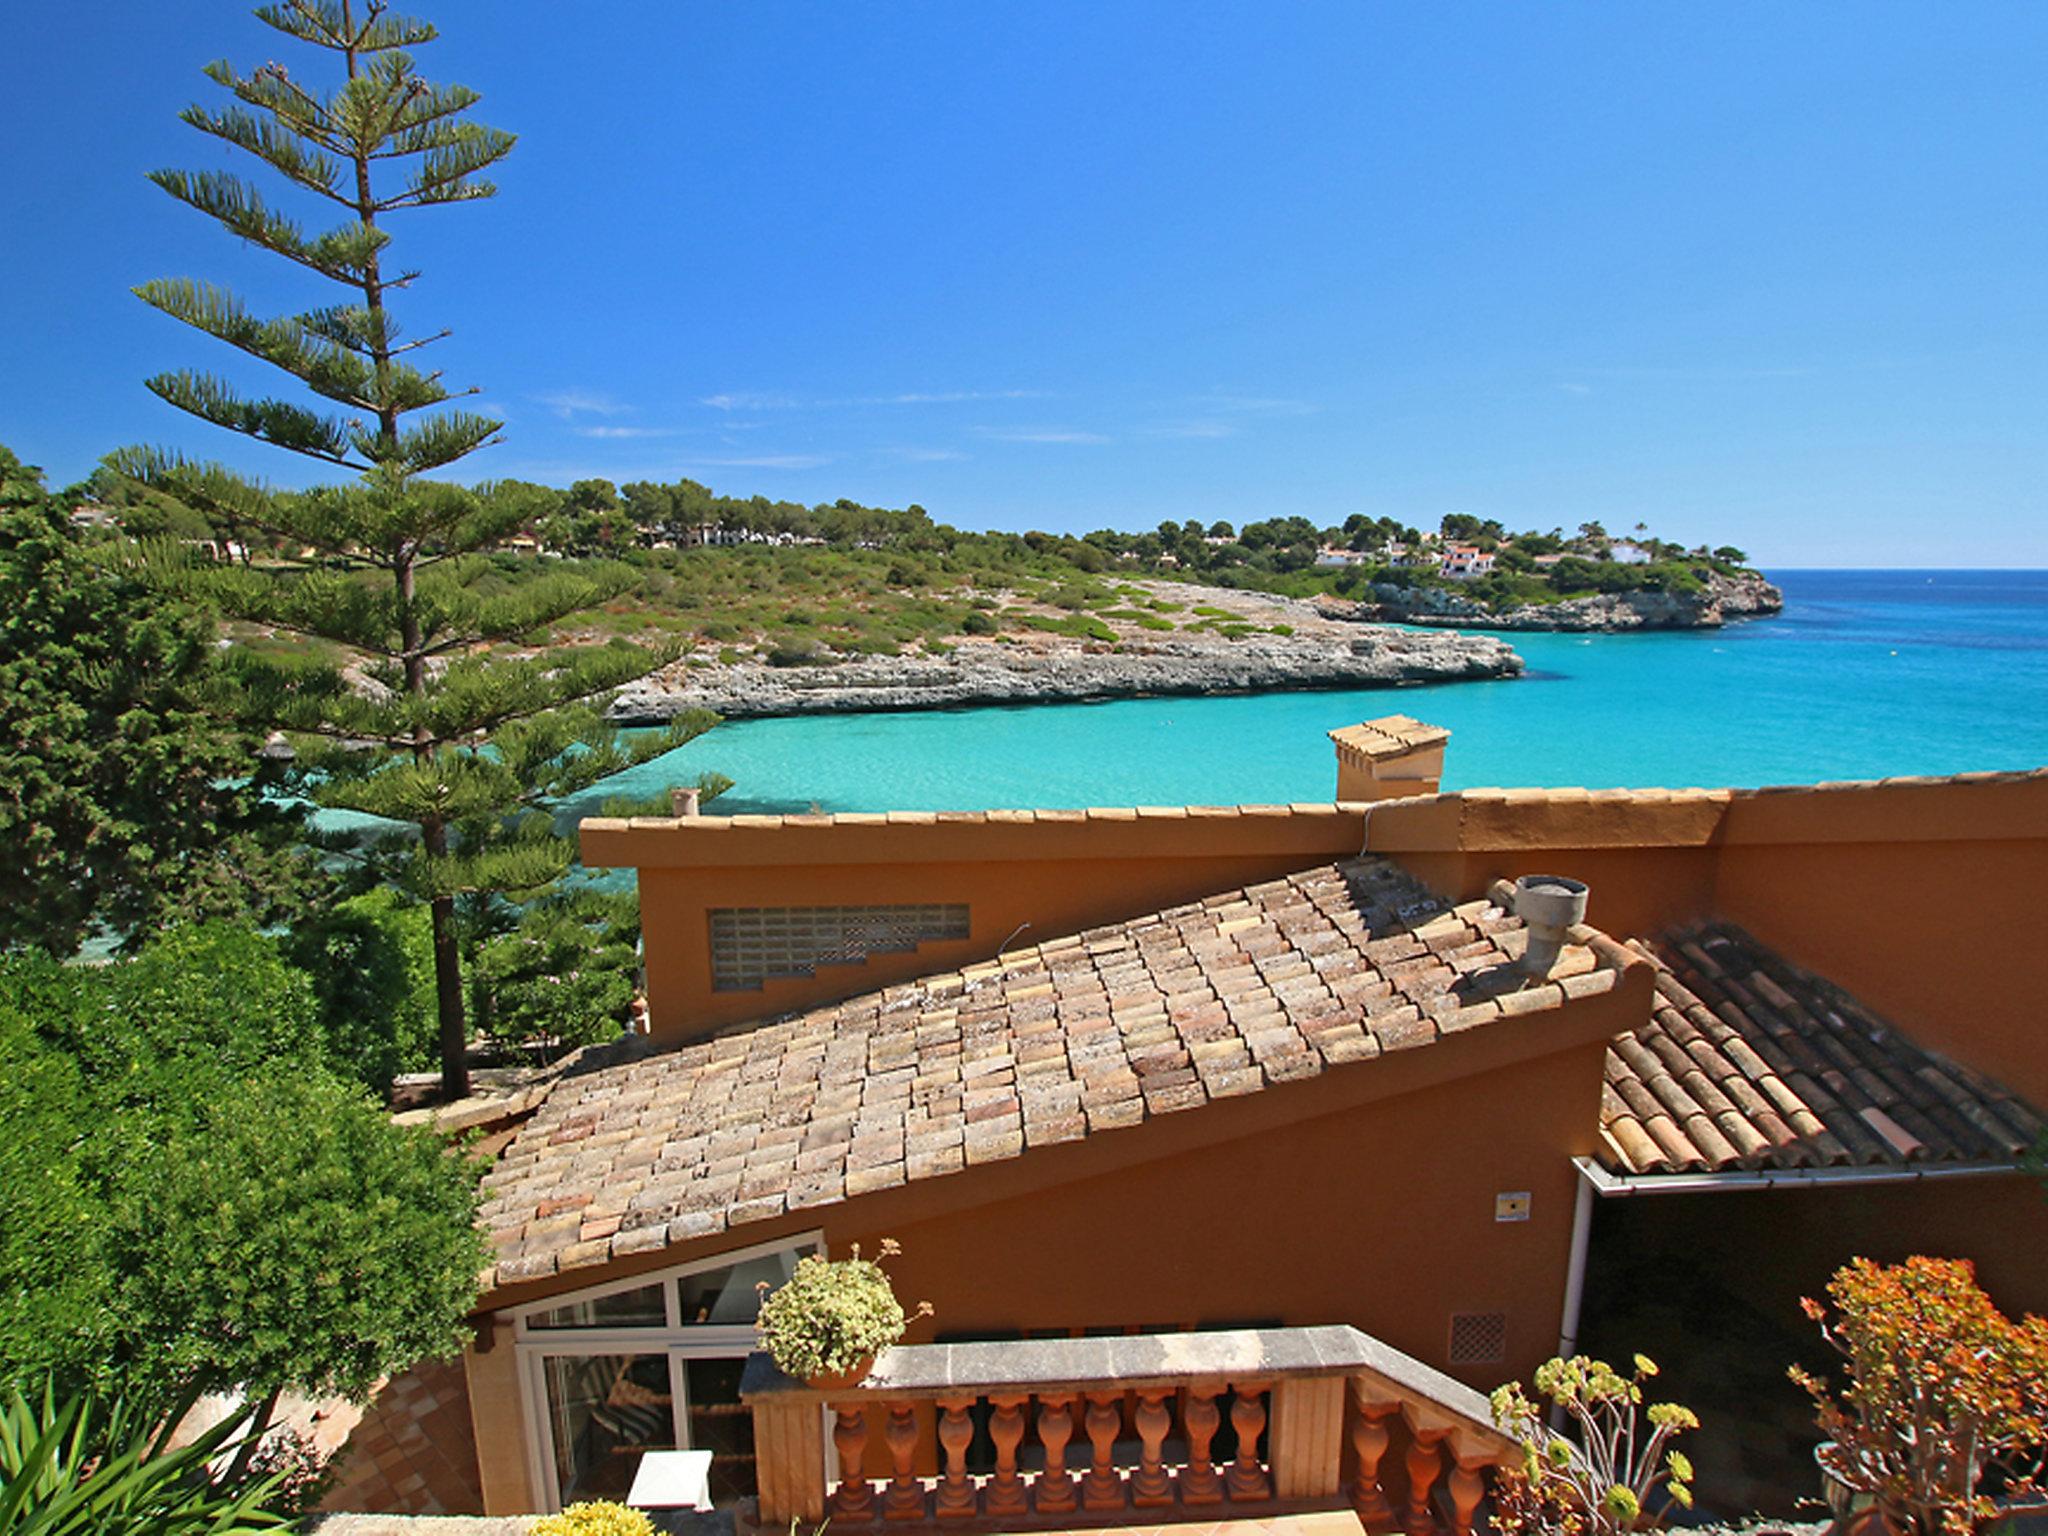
(1327, 1404)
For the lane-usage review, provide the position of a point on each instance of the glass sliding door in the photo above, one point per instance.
(650, 1364)
(604, 1412)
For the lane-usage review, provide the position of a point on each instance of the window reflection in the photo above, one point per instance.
(729, 1296)
(604, 1411)
(640, 1308)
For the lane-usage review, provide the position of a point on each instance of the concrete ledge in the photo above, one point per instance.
(900, 837)
(1155, 1359)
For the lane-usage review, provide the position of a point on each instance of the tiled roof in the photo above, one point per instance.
(1750, 1062)
(1108, 1028)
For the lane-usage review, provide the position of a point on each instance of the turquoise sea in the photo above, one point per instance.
(1865, 675)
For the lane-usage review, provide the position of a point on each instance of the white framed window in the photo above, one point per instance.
(651, 1363)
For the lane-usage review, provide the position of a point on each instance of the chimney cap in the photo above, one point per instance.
(1389, 736)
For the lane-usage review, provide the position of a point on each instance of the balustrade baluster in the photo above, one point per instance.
(1199, 1483)
(1246, 1479)
(1102, 1488)
(1004, 1493)
(1468, 1487)
(1369, 1437)
(905, 1498)
(1425, 1462)
(1055, 1494)
(955, 1499)
(1150, 1486)
(853, 1502)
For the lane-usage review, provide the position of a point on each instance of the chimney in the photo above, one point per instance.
(684, 801)
(1547, 906)
(1387, 758)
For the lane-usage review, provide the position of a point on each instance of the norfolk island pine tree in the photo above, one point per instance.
(467, 749)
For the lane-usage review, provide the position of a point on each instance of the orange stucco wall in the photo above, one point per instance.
(1025, 877)
(1395, 1201)
(1918, 897)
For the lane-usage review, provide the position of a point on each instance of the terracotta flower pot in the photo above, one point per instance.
(839, 1381)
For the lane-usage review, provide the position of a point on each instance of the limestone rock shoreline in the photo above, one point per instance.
(1048, 670)
(1724, 599)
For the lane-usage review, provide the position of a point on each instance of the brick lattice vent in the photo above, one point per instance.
(1479, 1338)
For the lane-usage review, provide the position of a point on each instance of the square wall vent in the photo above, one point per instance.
(1479, 1338)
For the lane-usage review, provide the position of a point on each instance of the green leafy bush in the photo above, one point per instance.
(831, 1315)
(564, 975)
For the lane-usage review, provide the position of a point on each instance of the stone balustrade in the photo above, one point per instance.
(1083, 1432)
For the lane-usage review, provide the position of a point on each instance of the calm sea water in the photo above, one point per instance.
(1867, 674)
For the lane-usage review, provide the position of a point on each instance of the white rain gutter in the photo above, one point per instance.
(1617, 1186)
(1597, 1181)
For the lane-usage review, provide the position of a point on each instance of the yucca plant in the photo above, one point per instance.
(88, 1466)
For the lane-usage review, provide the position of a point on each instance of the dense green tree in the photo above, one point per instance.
(283, 1232)
(371, 963)
(386, 566)
(53, 1276)
(123, 804)
(203, 1202)
(563, 974)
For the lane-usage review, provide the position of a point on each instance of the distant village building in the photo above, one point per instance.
(1628, 552)
(1463, 562)
(1332, 555)
(1405, 557)
(1545, 561)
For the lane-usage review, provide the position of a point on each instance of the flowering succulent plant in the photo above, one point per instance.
(831, 1315)
(1603, 1483)
(597, 1517)
(1941, 1389)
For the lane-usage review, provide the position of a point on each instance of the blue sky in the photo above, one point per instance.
(1769, 275)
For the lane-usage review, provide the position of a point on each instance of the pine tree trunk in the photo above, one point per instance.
(448, 1002)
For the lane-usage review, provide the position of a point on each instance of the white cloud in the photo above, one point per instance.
(1257, 405)
(1046, 435)
(613, 432)
(1576, 389)
(952, 396)
(1193, 429)
(929, 455)
(580, 402)
(767, 461)
(750, 400)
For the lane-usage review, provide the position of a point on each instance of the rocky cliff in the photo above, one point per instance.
(1046, 670)
(1724, 598)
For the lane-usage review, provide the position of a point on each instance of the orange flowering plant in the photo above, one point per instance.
(1940, 1389)
(1602, 1484)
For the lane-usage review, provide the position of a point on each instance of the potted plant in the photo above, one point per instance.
(828, 1321)
(1941, 1389)
(1603, 1483)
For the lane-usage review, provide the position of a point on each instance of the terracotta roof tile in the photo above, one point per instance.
(1750, 1062)
(1276, 982)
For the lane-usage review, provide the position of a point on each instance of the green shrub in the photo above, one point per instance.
(1283, 630)
(977, 623)
(1153, 621)
(831, 1315)
(371, 960)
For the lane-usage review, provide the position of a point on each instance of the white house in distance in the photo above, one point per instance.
(1462, 562)
(1331, 555)
(1628, 552)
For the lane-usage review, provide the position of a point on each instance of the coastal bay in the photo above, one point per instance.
(1866, 674)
